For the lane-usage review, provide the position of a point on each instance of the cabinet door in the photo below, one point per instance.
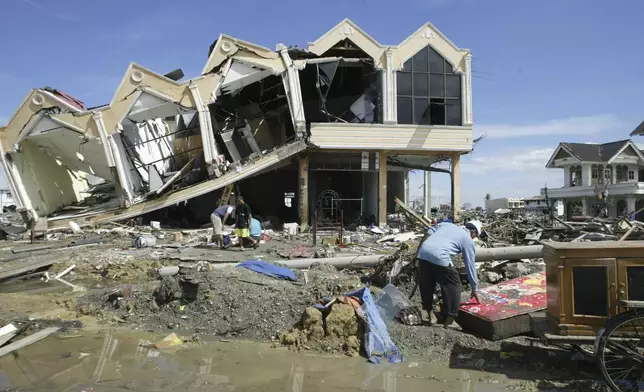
(590, 290)
(630, 279)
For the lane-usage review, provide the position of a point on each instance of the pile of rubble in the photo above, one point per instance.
(222, 302)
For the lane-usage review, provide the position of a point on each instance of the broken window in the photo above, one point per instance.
(429, 92)
(344, 90)
(253, 119)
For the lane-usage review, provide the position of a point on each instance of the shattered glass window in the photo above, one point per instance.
(429, 92)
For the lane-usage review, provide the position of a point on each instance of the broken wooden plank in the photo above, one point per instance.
(31, 339)
(413, 214)
(629, 232)
(7, 333)
(563, 223)
(27, 267)
(178, 174)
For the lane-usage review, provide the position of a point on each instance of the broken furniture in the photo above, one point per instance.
(504, 310)
(586, 281)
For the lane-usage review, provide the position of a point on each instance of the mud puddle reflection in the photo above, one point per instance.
(123, 360)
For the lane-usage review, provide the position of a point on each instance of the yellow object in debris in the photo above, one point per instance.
(171, 340)
(182, 307)
(329, 241)
(225, 197)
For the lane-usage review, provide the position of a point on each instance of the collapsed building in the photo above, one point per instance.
(329, 132)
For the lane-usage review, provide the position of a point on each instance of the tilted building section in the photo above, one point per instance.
(335, 127)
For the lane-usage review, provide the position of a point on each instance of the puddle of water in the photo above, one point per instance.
(116, 361)
(34, 286)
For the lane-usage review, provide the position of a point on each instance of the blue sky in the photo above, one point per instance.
(544, 71)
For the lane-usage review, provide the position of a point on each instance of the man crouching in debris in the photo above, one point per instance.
(218, 218)
(435, 265)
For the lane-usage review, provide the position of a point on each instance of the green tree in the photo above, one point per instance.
(487, 196)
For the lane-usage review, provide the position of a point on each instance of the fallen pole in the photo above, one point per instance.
(482, 254)
(340, 262)
(32, 249)
(509, 253)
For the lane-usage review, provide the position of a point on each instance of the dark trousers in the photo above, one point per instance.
(450, 283)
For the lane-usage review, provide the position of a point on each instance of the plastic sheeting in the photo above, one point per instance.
(377, 342)
(269, 269)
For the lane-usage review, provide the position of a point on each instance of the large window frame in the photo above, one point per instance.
(429, 92)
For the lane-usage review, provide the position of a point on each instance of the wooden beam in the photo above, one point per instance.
(31, 339)
(411, 213)
(27, 267)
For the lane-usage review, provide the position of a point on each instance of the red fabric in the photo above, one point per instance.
(508, 299)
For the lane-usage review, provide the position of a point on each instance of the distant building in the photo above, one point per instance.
(520, 205)
(615, 169)
(536, 204)
(505, 203)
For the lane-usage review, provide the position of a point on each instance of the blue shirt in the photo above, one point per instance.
(445, 241)
(221, 211)
(255, 228)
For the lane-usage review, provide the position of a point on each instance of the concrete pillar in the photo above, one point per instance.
(584, 206)
(565, 209)
(304, 191)
(406, 187)
(389, 101)
(382, 188)
(630, 204)
(427, 194)
(614, 174)
(586, 174)
(456, 185)
(395, 188)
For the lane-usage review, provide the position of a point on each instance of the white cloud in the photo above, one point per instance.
(49, 11)
(520, 173)
(520, 161)
(568, 126)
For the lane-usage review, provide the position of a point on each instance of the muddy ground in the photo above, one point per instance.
(117, 288)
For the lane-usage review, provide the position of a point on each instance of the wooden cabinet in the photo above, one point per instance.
(586, 280)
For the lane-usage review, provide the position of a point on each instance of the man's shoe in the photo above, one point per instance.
(448, 321)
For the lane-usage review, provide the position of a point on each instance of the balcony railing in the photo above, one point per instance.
(621, 188)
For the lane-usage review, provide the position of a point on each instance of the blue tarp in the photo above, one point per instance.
(268, 269)
(377, 342)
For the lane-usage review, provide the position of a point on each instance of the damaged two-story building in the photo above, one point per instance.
(329, 131)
